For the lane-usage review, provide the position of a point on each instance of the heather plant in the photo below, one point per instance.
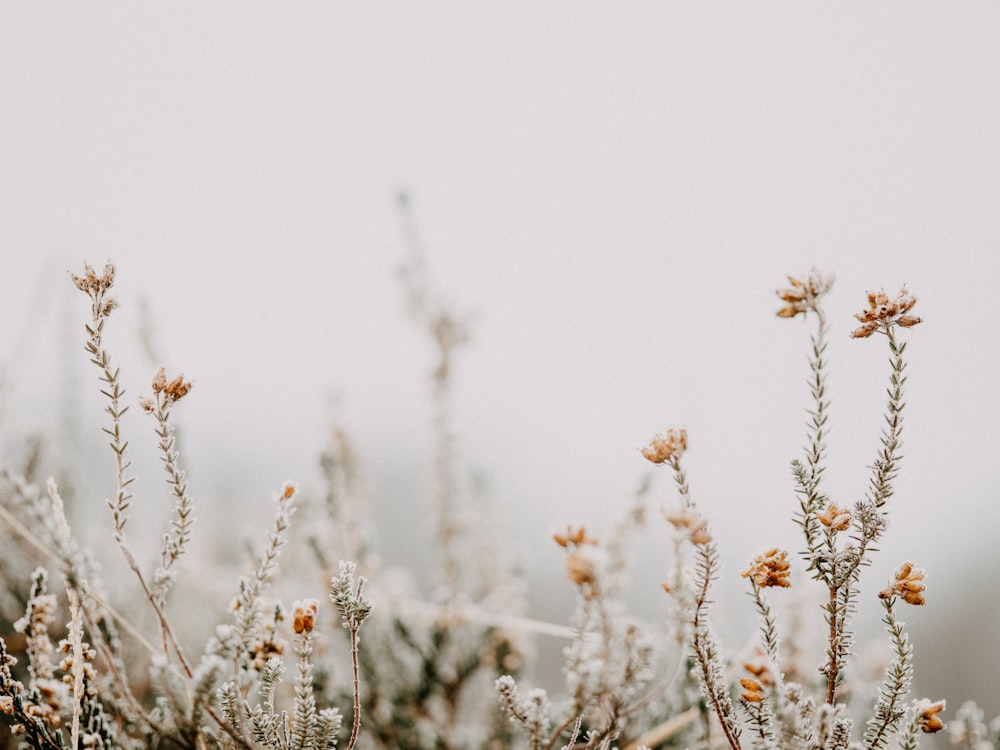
(93, 693)
(766, 710)
(444, 662)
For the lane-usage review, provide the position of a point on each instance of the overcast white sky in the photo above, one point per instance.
(612, 190)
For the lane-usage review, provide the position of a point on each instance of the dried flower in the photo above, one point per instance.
(574, 537)
(883, 313)
(93, 284)
(770, 568)
(304, 615)
(927, 716)
(686, 519)
(835, 517)
(760, 669)
(666, 448)
(159, 380)
(908, 582)
(752, 690)
(174, 390)
(177, 388)
(803, 294)
(582, 566)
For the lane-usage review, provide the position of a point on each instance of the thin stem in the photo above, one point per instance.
(833, 665)
(356, 725)
(705, 651)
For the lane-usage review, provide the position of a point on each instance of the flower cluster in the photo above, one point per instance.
(835, 517)
(760, 669)
(753, 692)
(174, 390)
(304, 615)
(908, 582)
(582, 566)
(883, 313)
(583, 560)
(689, 521)
(93, 284)
(574, 537)
(666, 448)
(803, 294)
(770, 568)
(927, 716)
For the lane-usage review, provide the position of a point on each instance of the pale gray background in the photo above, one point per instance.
(613, 191)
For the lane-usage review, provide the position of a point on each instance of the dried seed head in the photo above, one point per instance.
(574, 537)
(174, 390)
(582, 567)
(752, 690)
(882, 313)
(666, 448)
(159, 380)
(760, 669)
(804, 294)
(93, 284)
(835, 517)
(928, 717)
(770, 568)
(304, 615)
(907, 583)
(688, 520)
(177, 388)
(108, 275)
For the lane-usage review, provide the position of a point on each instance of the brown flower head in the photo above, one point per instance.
(927, 716)
(177, 388)
(666, 448)
(159, 380)
(908, 583)
(574, 537)
(760, 669)
(882, 313)
(803, 294)
(687, 520)
(770, 568)
(582, 567)
(93, 284)
(752, 690)
(304, 615)
(173, 390)
(835, 517)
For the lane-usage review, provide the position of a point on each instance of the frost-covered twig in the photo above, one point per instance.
(165, 395)
(347, 593)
